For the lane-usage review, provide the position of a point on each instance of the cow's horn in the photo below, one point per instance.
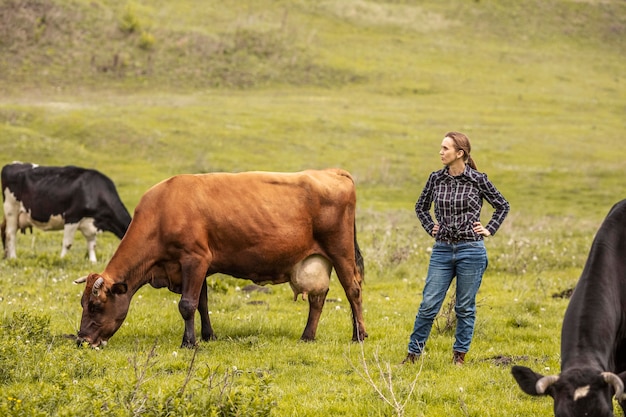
(80, 280)
(98, 283)
(96, 286)
(616, 382)
(544, 382)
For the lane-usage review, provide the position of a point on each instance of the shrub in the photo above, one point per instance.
(27, 327)
(129, 22)
(146, 41)
(21, 338)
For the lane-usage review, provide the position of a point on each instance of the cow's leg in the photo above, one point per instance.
(316, 303)
(311, 278)
(10, 224)
(193, 278)
(343, 250)
(350, 280)
(69, 230)
(89, 230)
(203, 309)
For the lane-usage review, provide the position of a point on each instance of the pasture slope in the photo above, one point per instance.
(142, 90)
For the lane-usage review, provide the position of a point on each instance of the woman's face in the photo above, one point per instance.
(448, 152)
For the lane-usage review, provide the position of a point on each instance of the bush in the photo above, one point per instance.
(129, 22)
(27, 327)
(146, 41)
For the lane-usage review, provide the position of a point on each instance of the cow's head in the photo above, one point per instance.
(576, 392)
(105, 305)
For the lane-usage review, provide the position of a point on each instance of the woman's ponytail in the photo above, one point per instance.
(471, 163)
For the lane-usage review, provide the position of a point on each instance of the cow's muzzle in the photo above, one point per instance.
(85, 341)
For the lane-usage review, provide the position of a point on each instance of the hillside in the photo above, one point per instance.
(147, 89)
(330, 43)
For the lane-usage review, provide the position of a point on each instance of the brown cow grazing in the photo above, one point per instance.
(270, 228)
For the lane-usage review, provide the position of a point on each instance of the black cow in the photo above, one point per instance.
(55, 198)
(593, 338)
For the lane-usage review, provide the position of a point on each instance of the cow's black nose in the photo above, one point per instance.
(80, 340)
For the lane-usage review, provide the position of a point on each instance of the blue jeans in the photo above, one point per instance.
(467, 262)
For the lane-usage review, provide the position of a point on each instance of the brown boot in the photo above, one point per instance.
(458, 358)
(410, 358)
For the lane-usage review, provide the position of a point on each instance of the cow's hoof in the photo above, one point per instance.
(209, 338)
(188, 344)
(359, 337)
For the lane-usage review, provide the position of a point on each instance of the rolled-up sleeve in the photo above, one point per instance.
(497, 201)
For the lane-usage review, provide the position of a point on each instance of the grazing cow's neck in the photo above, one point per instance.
(131, 264)
(594, 322)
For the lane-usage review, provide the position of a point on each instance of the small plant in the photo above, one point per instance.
(146, 41)
(27, 327)
(384, 383)
(129, 22)
(447, 316)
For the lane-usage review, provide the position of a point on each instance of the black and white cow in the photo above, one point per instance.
(54, 198)
(593, 337)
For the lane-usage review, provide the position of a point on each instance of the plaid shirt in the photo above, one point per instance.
(458, 202)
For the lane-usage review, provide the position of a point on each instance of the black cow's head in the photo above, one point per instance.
(105, 306)
(576, 392)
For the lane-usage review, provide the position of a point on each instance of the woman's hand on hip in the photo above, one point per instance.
(480, 229)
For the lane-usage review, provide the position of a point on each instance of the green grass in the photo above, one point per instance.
(259, 334)
(370, 86)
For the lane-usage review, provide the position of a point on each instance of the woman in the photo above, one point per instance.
(459, 251)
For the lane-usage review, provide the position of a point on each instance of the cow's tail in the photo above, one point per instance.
(358, 257)
(357, 251)
(3, 231)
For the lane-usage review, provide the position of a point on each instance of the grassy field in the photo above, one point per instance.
(145, 90)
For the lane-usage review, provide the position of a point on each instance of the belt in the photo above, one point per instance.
(450, 241)
(454, 240)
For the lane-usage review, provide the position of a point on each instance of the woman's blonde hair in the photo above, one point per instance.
(462, 143)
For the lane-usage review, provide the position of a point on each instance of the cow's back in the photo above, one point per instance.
(55, 197)
(45, 191)
(220, 197)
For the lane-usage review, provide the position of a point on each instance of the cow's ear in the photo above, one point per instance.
(527, 380)
(119, 288)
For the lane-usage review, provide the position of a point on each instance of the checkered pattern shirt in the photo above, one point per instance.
(458, 202)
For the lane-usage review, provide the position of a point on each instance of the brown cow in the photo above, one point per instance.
(270, 228)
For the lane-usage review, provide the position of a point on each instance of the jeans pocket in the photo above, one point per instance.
(476, 244)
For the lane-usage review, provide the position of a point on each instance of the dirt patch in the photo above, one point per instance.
(567, 293)
(505, 360)
(383, 14)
